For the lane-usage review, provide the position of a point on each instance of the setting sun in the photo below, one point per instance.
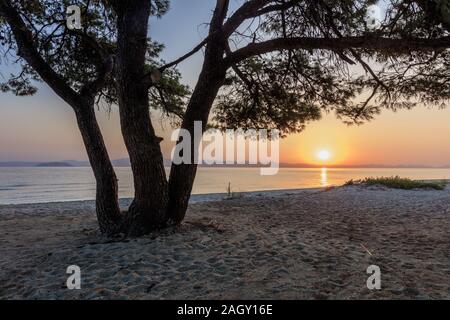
(323, 155)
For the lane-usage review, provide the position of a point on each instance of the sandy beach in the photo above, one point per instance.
(303, 244)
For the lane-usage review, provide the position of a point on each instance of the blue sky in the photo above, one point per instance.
(179, 34)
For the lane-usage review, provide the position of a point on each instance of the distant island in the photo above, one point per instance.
(54, 164)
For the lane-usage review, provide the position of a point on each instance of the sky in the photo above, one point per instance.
(43, 127)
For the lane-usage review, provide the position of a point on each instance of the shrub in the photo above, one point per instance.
(400, 183)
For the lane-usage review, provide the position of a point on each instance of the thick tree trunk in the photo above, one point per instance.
(148, 210)
(182, 176)
(211, 79)
(209, 83)
(107, 202)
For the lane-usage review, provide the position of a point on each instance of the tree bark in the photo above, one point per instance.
(107, 202)
(211, 79)
(148, 209)
(182, 176)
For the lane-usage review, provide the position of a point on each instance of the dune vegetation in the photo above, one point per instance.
(400, 183)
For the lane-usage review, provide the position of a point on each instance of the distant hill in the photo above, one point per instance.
(54, 164)
(13, 164)
(30, 164)
(125, 162)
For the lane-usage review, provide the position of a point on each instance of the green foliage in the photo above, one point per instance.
(286, 90)
(160, 7)
(399, 183)
(79, 56)
(170, 95)
(282, 91)
(69, 53)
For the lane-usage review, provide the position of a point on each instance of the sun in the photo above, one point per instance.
(323, 155)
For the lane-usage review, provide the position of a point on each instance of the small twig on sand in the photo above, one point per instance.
(364, 247)
(212, 224)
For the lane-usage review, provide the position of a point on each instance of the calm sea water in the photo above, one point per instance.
(35, 185)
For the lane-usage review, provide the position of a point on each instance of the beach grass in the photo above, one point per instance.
(397, 182)
(231, 195)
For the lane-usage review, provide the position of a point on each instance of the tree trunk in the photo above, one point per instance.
(148, 209)
(182, 176)
(209, 83)
(107, 202)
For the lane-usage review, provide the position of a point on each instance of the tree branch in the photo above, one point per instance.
(184, 57)
(27, 50)
(90, 89)
(386, 45)
(91, 42)
(246, 11)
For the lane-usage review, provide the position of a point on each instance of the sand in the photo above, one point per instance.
(303, 244)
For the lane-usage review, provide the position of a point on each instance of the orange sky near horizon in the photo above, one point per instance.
(407, 137)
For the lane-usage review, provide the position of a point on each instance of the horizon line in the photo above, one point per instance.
(85, 163)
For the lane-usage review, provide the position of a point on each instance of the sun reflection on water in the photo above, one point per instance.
(324, 177)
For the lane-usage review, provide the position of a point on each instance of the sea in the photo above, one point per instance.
(40, 185)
